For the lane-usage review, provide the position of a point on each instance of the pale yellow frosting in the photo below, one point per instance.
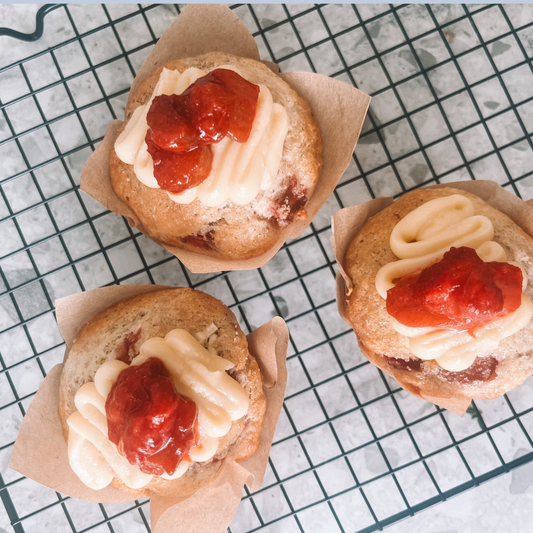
(423, 237)
(239, 170)
(196, 372)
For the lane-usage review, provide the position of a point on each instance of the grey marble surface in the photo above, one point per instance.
(452, 100)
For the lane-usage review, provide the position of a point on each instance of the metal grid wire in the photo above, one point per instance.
(452, 91)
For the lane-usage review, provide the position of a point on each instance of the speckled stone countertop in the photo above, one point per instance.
(452, 99)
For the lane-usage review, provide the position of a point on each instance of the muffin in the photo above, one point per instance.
(441, 296)
(250, 190)
(208, 371)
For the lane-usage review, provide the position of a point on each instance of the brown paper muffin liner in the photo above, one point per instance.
(348, 222)
(40, 451)
(339, 109)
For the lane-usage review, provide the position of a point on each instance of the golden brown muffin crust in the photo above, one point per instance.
(154, 315)
(367, 313)
(233, 232)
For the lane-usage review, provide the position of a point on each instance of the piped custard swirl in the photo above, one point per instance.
(239, 170)
(196, 372)
(422, 238)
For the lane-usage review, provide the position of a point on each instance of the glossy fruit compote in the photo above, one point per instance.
(150, 423)
(182, 127)
(461, 291)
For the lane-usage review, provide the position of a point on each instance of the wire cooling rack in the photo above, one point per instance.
(452, 91)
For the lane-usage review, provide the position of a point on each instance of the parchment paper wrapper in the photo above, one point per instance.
(348, 222)
(40, 452)
(339, 109)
